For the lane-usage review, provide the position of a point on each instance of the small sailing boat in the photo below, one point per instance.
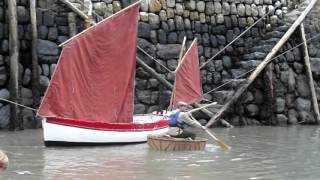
(187, 88)
(90, 97)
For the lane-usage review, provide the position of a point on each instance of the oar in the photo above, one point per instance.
(223, 145)
(198, 109)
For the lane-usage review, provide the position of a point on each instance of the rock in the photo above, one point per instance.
(248, 65)
(172, 64)
(282, 119)
(298, 67)
(153, 83)
(4, 93)
(144, 30)
(44, 83)
(171, 3)
(154, 21)
(144, 5)
(209, 9)
(169, 51)
(43, 32)
(226, 8)
(291, 81)
(116, 5)
(201, 6)
(233, 9)
(179, 23)
(248, 97)
(220, 19)
(23, 15)
(190, 5)
(144, 16)
(292, 117)
(153, 109)
(179, 9)
(227, 62)
(172, 38)
(252, 110)
(100, 8)
(26, 77)
(52, 33)
(5, 116)
(302, 104)
(241, 10)
(141, 84)
(302, 86)
(45, 69)
(47, 47)
(154, 6)
(280, 105)
(305, 117)
(139, 109)
(218, 65)
(248, 10)
(258, 97)
(217, 7)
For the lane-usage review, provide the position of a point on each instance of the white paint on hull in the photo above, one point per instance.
(62, 133)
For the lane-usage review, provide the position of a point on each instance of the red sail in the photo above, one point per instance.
(188, 87)
(94, 78)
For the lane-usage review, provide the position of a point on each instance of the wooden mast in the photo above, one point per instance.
(14, 64)
(179, 63)
(309, 74)
(263, 64)
(35, 72)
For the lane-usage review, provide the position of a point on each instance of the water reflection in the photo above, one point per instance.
(257, 153)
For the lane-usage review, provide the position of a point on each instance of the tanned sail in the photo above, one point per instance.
(188, 87)
(94, 78)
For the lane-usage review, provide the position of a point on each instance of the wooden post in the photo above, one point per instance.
(263, 64)
(88, 20)
(14, 64)
(35, 74)
(309, 74)
(72, 24)
(168, 85)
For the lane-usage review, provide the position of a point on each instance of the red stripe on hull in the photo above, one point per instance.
(110, 127)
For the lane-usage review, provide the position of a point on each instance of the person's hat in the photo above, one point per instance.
(181, 103)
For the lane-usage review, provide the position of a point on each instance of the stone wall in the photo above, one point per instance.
(162, 26)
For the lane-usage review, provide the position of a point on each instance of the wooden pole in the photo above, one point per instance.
(309, 74)
(75, 9)
(14, 64)
(179, 63)
(168, 85)
(35, 74)
(72, 24)
(106, 19)
(263, 64)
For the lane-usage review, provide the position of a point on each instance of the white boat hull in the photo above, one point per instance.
(58, 133)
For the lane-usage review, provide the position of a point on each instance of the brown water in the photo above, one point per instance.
(257, 153)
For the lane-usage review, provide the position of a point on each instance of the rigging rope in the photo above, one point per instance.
(154, 59)
(237, 38)
(228, 82)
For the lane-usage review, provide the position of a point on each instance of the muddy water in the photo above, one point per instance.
(257, 153)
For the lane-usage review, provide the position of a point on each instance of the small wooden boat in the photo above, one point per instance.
(166, 143)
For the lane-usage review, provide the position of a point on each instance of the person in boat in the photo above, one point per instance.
(4, 161)
(179, 121)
